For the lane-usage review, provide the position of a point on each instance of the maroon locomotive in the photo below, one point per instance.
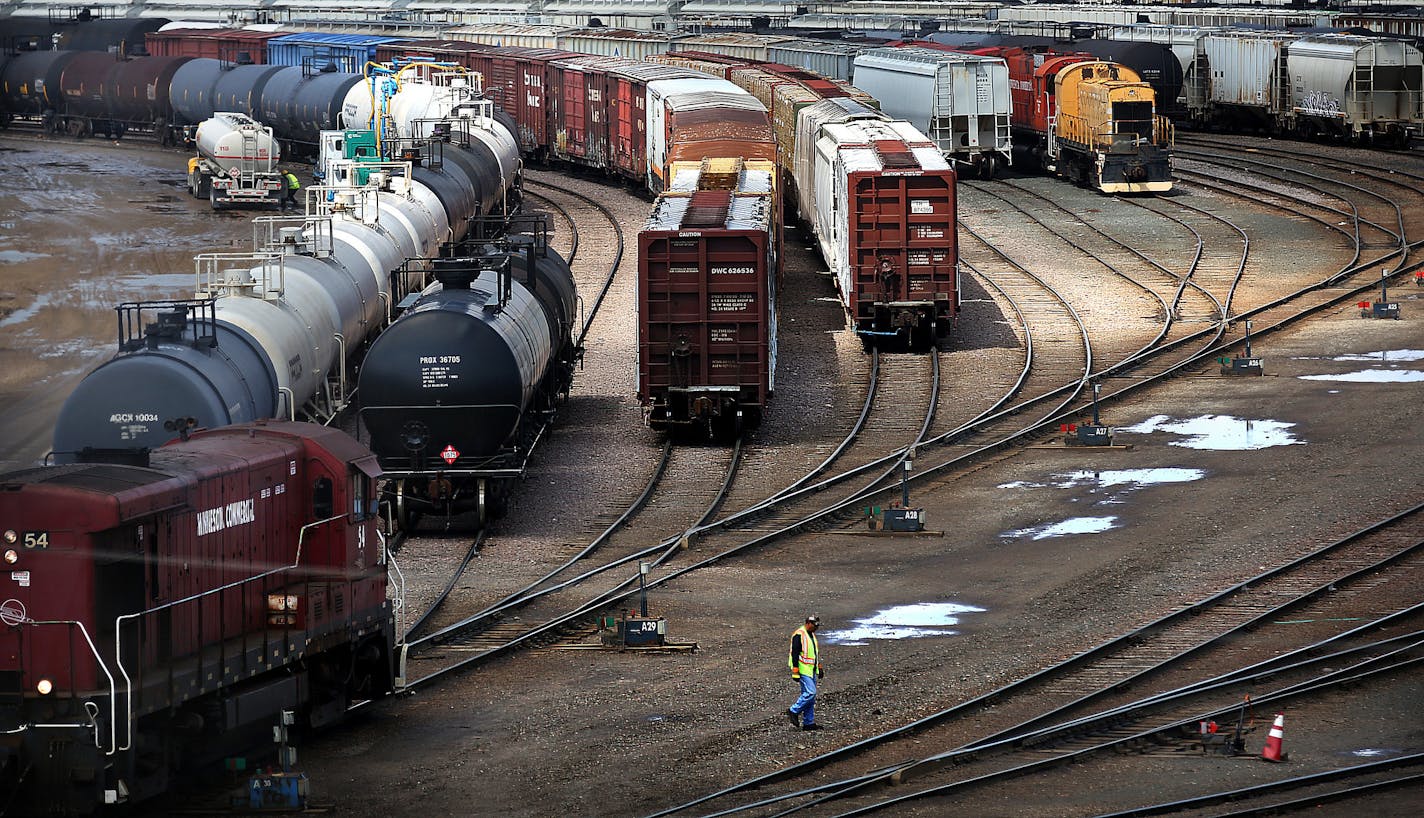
(166, 610)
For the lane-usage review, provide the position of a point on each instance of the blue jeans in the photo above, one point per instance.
(805, 705)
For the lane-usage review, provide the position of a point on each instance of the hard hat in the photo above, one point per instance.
(813, 619)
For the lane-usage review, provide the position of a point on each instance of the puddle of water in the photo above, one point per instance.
(24, 314)
(1074, 525)
(1384, 355)
(1371, 376)
(1375, 752)
(18, 256)
(921, 619)
(1133, 478)
(1219, 432)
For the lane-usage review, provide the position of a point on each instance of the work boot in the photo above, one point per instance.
(795, 719)
(812, 727)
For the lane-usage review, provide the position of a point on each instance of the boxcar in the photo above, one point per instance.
(232, 45)
(881, 200)
(707, 299)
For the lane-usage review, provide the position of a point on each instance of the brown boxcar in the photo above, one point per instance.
(626, 93)
(518, 80)
(234, 45)
(707, 299)
(577, 107)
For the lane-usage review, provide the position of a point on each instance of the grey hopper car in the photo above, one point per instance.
(960, 101)
(1357, 87)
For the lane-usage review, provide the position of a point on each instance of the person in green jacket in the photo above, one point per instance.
(293, 185)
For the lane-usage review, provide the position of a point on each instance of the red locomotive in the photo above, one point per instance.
(162, 612)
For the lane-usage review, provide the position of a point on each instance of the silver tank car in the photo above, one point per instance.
(269, 333)
(454, 392)
(421, 102)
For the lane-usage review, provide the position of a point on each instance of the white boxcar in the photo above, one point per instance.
(1356, 86)
(961, 101)
(836, 139)
(1248, 75)
(741, 46)
(500, 34)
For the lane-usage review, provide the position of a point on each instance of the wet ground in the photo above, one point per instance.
(85, 227)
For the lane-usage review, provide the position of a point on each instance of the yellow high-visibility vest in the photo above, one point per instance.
(809, 660)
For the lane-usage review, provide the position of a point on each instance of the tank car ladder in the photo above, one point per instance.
(247, 163)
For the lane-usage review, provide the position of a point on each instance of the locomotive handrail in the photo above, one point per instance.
(113, 688)
(399, 582)
(119, 621)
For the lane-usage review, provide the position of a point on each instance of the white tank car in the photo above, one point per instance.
(420, 98)
(236, 144)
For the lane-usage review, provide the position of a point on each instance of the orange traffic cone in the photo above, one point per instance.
(1273, 741)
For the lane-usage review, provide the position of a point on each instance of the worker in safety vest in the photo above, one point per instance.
(292, 187)
(804, 659)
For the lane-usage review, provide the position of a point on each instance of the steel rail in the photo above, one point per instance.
(1072, 663)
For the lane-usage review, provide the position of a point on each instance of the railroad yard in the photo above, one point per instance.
(1038, 552)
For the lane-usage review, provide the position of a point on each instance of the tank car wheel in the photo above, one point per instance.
(406, 516)
(482, 503)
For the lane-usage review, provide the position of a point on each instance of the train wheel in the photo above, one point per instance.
(482, 503)
(988, 168)
(406, 516)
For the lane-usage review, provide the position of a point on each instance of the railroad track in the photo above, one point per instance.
(1085, 704)
(560, 603)
(1280, 797)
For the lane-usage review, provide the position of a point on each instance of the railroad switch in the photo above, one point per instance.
(1223, 739)
(1088, 434)
(899, 517)
(1384, 308)
(1246, 364)
(635, 630)
(283, 791)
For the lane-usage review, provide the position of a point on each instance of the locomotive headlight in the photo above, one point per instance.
(12, 556)
(44, 687)
(11, 536)
(281, 602)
